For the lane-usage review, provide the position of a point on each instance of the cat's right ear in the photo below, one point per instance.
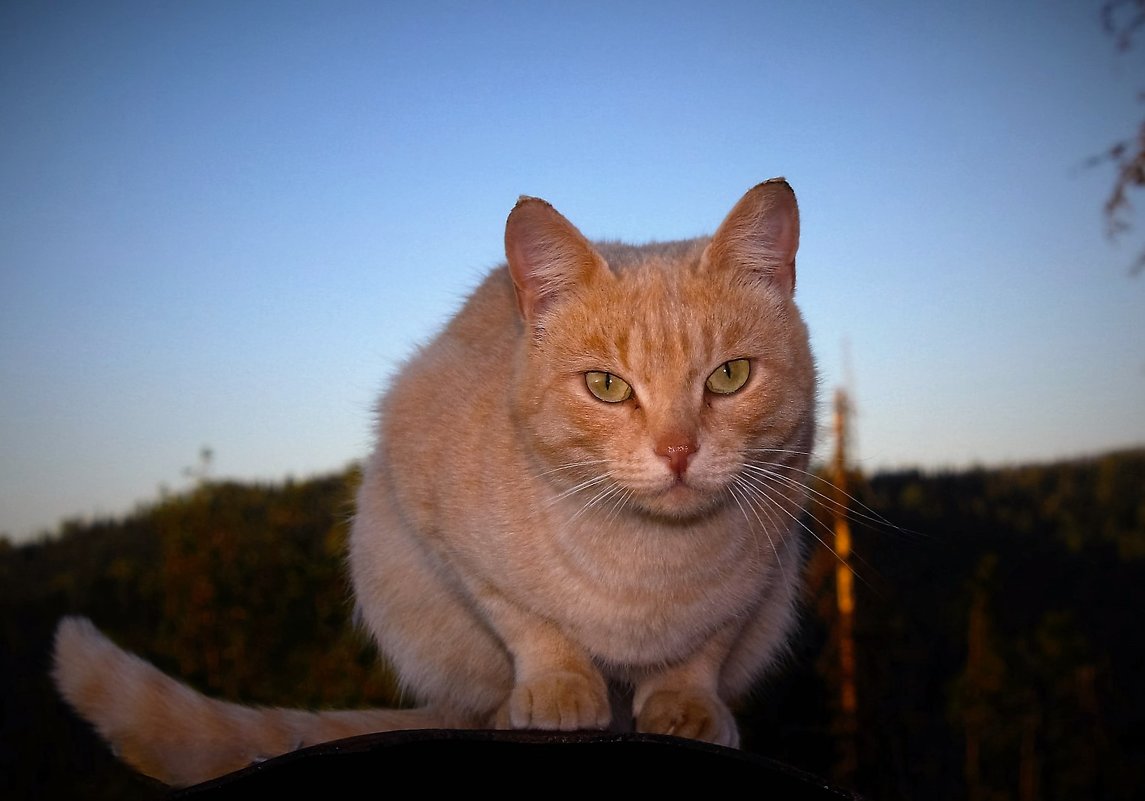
(547, 255)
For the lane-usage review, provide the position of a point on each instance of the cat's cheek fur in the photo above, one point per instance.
(561, 423)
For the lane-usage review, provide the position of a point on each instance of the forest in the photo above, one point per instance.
(995, 654)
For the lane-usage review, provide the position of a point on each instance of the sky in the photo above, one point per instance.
(224, 225)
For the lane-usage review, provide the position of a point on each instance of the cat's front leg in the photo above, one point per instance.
(559, 699)
(691, 712)
(555, 686)
(683, 700)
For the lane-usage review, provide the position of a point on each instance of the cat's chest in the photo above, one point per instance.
(642, 593)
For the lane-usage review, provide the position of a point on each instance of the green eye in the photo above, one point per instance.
(607, 387)
(729, 377)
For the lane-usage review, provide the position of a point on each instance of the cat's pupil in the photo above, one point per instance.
(608, 381)
(728, 369)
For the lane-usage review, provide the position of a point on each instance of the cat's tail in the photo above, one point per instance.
(165, 729)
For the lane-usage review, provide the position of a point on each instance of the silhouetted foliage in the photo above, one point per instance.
(994, 628)
(1123, 21)
(998, 654)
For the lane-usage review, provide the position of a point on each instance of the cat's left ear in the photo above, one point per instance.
(760, 235)
(547, 256)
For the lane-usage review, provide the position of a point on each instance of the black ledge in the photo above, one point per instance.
(524, 764)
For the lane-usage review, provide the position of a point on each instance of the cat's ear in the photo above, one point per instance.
(547, 255)
(760, 235)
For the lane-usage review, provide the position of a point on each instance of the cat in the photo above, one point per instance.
(588, 487)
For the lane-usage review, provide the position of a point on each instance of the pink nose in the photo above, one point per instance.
(678, 452)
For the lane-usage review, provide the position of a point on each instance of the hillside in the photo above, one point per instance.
(994, 630)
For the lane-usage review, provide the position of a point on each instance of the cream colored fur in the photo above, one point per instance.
(521, 547)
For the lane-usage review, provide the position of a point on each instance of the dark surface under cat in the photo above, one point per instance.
(518, 763)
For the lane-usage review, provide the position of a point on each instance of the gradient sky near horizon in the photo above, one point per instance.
(225, 224)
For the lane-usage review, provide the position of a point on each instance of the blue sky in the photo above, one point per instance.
(225, 224)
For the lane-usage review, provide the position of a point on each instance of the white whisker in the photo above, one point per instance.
(762, 489)
(759, 478)
(619, 501)
(764, 501)
(862, 513)
(572, 466)
(574, 489)
(735, 491)
(599, 498)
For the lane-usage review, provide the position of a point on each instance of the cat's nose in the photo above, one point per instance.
(678, 451)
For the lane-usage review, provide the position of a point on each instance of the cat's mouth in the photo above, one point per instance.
(681, 498)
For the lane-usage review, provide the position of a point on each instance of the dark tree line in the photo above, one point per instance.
(994, 630)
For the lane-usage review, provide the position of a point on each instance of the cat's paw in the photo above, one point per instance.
(693, 714)
(560, 700)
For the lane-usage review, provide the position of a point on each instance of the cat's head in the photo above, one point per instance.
(652, 377)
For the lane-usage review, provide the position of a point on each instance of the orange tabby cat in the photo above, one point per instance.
(592, 479)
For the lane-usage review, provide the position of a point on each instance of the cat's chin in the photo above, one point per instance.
(680, 501)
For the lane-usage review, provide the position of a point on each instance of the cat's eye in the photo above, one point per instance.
(607, 387)
(729, 377)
